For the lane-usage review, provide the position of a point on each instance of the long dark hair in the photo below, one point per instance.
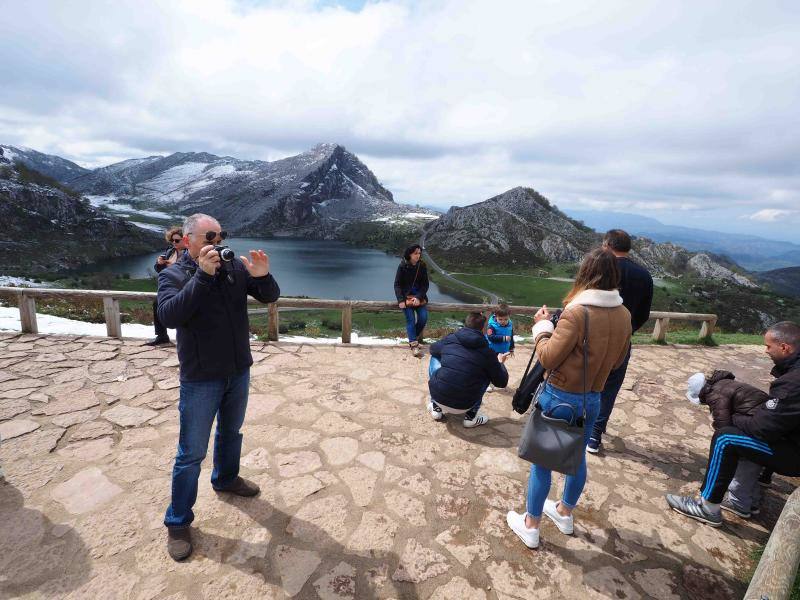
(598, 271)
(409, 251)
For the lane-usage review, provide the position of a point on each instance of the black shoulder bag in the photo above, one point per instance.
(552, 443)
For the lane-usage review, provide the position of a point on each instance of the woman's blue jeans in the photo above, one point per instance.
(416, 318)
(540, 478)
(200, 402)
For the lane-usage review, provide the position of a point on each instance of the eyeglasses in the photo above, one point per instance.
(211, 235)
(176, 240)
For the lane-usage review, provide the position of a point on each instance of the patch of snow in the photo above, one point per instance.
(218, 170)
(9, 321)
(8, 280)
(149, 226)
(176, 177)
(9, 153)
(354, 339)
(98, 201)
(416, 215)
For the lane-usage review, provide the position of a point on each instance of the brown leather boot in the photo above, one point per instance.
(240, 487)
(179, 543)
(415, 349)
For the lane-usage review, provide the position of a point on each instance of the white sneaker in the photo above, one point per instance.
(516, 521)
(435, 411)
(490, 389)
(564, 524)
(478, 420)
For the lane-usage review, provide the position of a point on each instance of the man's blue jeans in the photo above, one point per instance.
(200, 402)
(416, 318)
(540, 478)
(609, 395)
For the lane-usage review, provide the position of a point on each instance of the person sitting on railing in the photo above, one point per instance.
(411, 290)
(768, 437)
(462, 367)
(169, 257)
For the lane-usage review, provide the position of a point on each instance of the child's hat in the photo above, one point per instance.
(694, 385)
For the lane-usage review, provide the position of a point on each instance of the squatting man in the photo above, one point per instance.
(204, 297)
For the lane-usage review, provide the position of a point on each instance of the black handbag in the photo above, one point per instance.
(528, 387)
(553, 443)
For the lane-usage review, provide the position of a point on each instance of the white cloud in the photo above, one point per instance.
(675, 107)
(771, 215)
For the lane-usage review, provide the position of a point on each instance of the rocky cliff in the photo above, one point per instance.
(521, 227)
(48, 228)
(314, 194)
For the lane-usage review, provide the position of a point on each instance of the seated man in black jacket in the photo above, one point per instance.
(205, 299)
(462, 367)
(769, 436)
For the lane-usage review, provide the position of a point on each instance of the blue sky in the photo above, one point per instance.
(683, 111)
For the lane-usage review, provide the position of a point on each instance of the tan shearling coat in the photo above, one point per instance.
(560, 349)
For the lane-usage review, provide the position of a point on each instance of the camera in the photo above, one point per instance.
(167, 253)
(555, 317)
(225, 253)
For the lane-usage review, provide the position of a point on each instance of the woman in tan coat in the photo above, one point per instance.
(560, 351)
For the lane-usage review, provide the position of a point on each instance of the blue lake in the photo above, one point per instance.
(315, 268)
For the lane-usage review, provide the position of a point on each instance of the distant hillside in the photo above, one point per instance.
(751, 252)
(55, 167)
(47, 227)
(784, 281)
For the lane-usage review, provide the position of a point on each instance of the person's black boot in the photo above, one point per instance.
(179, 543)
(158, 341)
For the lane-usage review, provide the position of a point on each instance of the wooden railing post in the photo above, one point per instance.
(777, 568)
(347, 323)
(27, 314)
(660, 329)
(113, 321)
(272, 321)
(707, 328)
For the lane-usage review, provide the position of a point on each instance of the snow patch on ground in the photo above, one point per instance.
(9, 280)
(9, 321)
(9, 153)
(177, 176)
(416, 215)
(150, 226)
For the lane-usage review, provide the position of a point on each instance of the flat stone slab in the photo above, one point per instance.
(363, 495)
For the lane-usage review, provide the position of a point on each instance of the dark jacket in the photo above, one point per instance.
(779, 417)
(166, 254)
(468, 366)
(404, 279)
(725, 397)
(210, 314)
(636, 289)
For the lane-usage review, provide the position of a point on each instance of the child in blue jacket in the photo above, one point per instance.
(500, 332)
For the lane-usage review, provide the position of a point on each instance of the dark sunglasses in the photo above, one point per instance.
(211, 235)
(176, 240)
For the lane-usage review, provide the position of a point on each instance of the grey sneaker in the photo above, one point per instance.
(732, 508)
(694, 509)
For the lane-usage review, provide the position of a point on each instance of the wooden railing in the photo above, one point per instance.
(26, 299)
(777, 569)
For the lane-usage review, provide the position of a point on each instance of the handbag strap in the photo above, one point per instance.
(585, 356)
(413, 283)
(528, 368)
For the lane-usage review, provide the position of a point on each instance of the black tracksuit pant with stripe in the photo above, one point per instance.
(730, 444)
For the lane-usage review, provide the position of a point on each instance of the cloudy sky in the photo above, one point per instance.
(684, 111)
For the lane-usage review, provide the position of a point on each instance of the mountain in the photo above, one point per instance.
(521, 226)
(55, 167)
(49, 227)
(316, 194)
(784, 281)
(751, 252)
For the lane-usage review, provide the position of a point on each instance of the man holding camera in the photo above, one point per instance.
(204, 296)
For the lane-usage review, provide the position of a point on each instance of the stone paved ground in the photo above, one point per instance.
(363, 496)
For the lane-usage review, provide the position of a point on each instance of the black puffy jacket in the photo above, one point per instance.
(210, 315)
(407, 276)
(725, 397)
(468, 366)
(779, 417)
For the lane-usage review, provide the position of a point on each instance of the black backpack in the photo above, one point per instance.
(527, 387)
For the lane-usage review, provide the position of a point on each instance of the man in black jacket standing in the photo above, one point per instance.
(636, 289)
(769, 436)
(462, 367)
(205, 299)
